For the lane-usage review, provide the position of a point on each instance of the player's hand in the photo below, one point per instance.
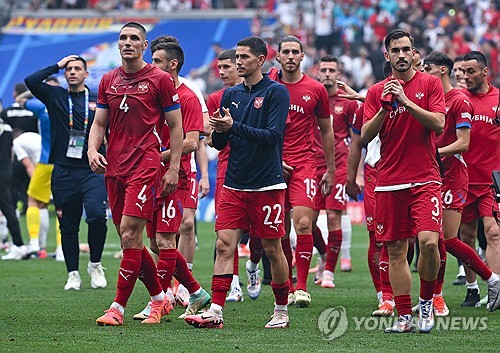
(396, 89)
(169, 182)
(64, 61)
(97, 162)
(203, 187)
(326, 183)
(287, 170)
(221, 123)
(349, 92)
(352, 189)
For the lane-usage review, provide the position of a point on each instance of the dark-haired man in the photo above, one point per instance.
(74, 186)
(482, 158)
(407, 118)
(252, 119)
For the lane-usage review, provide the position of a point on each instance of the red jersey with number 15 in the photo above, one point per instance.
(483, 155)
(213, 103)
(408, 148)
(308, 101)
(458, 116)
(136, 104)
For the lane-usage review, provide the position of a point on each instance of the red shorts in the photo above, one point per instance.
(133, 195)
(337, 200)
(453, 199)
(218, 189)
(370, 177)
(168, 214)
(405, 213)
(259, 212)
(302, 187)
(191, 200)
(480, 203)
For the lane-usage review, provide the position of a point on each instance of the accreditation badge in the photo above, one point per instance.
(75, 145)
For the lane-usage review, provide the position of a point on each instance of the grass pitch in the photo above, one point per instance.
(37, 315)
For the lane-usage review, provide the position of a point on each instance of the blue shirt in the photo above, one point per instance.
(40, 110)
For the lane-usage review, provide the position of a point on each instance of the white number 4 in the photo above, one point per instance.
(123, 105)
(141, 195)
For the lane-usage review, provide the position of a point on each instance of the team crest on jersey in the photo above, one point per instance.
(338, 109)
(419, 95)
(380, 228)
(257, 103)
(369, 220)
(92, 106)
(142, 87)
(306, 97)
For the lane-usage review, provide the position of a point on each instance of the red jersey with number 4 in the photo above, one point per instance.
(483, 155)
(408, 149)
(192, 120)
(136, 104)
(213, 103)
(342, 110)
(308, 101)
(459, 112)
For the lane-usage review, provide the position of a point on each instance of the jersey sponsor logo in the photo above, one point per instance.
(273, 227)
(114, 89)
(338, 109)
(139, 205)
(296, 108)
(467, 102)
(142, 87)
(257, 103)
(447, 108)
(419, 95)
(92, 106)
(306, 97)
(236, 104)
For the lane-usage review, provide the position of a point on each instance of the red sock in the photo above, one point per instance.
(319, 242)
(148, 274)
(442, 267)
(333, 249)
(303, 254)
(236, 270)
(468, 256)
(385, 282)
(287, 250)
(373, 261)
(403, 304)
(427, 289)
(166, 267)
(220, 285)
(255, 249)
(184, 276)
(130, 266)
(281, 292)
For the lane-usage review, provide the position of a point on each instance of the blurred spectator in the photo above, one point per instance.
(362, 70)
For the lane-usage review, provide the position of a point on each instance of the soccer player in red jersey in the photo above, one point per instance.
(482, 158)
(458, 72)
(252, 119)
(408, 181)
(342, 110)
(308, 103)
(226, 63)
(133, 100)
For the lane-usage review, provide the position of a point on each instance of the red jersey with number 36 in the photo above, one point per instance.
(136, 104)
(408, 148)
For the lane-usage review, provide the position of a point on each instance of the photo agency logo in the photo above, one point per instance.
(333, 323)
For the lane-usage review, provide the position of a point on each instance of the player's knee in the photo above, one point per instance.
(187, 227)
(223, 248)
(304, 225)
(428, 245)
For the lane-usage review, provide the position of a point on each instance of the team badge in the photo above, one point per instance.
(257, 103)
(92, 106)
(369, 220)
(59, 213)
(306, 98)
(380, 228)
(142, 87)
(419, 95)
(338, 109)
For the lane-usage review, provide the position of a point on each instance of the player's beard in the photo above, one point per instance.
(475, 88)
(398, 69)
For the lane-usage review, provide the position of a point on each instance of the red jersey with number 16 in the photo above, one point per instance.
(308, 101)
(408, 148)
(136, 103)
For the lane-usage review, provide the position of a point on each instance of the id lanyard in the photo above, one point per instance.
(70, 106)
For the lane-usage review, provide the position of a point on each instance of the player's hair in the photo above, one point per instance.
(173, 51)
(52, 78)
(136, 25)
(440, 59)
(478, 56)
(228, 54)
(417, 51)
(256, 45)
(163, 39)
(83, 61)
(329, 59)
(458, 58)
(396, 34)
(291, 39)
(387, 69)
(20, 88)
